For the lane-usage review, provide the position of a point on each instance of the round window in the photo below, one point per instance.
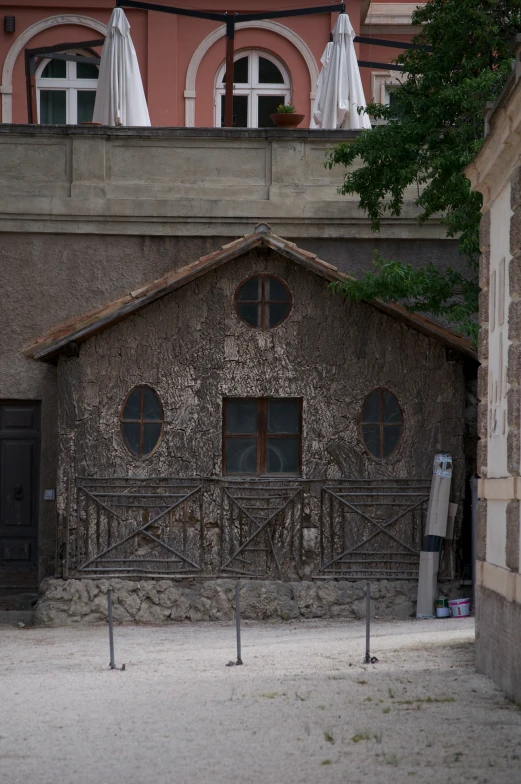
(382, 424)
(142, 421)
(263, 301)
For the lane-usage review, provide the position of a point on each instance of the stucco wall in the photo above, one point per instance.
(193, 350)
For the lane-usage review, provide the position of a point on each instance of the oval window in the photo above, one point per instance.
(382, 424)
(142, 421)
(263, 301)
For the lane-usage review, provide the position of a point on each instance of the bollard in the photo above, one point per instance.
(368, 623)
(112, 664)
(238, 623)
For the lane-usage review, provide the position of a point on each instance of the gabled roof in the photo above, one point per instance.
(81, 328)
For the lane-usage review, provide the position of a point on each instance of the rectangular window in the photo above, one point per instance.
(262, 435)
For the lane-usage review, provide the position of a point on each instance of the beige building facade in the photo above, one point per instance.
(496, 173)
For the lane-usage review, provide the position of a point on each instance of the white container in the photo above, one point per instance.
(460, 608)
(442, 612)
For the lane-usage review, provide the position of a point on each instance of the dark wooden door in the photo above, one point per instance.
(19, 464)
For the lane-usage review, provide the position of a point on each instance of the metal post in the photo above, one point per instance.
(112, 664)
(368, 623)
(230, 47)
(238, 623)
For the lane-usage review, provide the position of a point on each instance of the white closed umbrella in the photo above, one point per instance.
(341, 91)
(326, 56)
(120, 98)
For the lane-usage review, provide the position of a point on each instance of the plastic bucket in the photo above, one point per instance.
(459, 608)
(442, 608)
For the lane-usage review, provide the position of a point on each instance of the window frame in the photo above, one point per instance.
(253, 88)
(261, 437)
(263, 301)
(381, 423)
(70, 85)
(142, 422)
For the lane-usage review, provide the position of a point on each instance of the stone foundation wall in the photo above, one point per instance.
(65, 602)
(498, 640)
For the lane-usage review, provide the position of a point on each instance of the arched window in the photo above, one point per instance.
(260, 84)
(66, 91)
(381, 423)
(142, 421)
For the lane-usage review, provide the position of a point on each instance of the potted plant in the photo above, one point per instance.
(286, 117)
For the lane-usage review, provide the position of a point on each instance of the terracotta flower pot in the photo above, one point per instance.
(287, 119)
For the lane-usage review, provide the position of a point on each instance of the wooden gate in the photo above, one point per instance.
(372, 528)
(261, 527)
(131, 525)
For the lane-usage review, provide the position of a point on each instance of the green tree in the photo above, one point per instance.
(433, 129)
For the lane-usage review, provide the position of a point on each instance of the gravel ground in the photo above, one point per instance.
(303, 708)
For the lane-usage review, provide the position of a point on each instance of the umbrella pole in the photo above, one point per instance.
(230, 48)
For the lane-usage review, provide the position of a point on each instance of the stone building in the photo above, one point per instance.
(237, 418)
(496, 173)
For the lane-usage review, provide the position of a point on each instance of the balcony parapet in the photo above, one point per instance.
(182, 181)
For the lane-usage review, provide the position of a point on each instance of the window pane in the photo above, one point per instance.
(151, 435)
(87, 71)
(132, 435)
(283, 454)
(241, 416)
(371, 436)
(152, 406)
(277, 313)
(392, 413)
(391, 438)
(249, 290)
(240, 71)
(275, 290)
(55, 69)
(240, 111)
(53, 107)
(249, 313)
(283, 416)
(268, 105)
(269, 73)
(241, 455)
(371, 411)
(86, 100)
(132, 408)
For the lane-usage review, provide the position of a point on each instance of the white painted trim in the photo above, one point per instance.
(391, 13)
(499, 580)
(23, 39)
(212, 38)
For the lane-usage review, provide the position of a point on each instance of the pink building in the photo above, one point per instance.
(182, 58)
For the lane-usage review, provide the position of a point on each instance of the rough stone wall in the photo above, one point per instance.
(65, 602)
(498, 640)
(193, 350)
